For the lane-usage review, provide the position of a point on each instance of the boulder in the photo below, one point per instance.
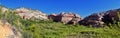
(66, 18)
(30, 14)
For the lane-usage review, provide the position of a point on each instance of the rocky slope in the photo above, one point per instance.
(96, 19)
(30, 14)
(68, 18)
(8, 31)
(99, 19)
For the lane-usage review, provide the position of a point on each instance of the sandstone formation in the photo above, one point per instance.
(66, 18)
(31, 14)
(98, 19)
(7, 31)
(111, 16)
(95, 20)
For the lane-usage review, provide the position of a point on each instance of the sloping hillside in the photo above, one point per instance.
(50, 29)
(7, 31)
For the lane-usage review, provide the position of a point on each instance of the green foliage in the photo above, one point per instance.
(118, 15)
(50, 29)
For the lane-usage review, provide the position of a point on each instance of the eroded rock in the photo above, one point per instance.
(31, 14)
(7, 31)
(94, 19)
(66, 18)
(99, 19)
(111, 16)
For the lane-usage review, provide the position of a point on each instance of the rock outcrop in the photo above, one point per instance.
(111, 16)
(3, 10)
(95, 20)
(31, 14)
(7, 31)
(98, 19)
(66, 18)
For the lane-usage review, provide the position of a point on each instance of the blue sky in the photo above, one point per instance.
(82, 7)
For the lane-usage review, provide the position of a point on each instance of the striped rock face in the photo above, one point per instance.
(31, 14)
